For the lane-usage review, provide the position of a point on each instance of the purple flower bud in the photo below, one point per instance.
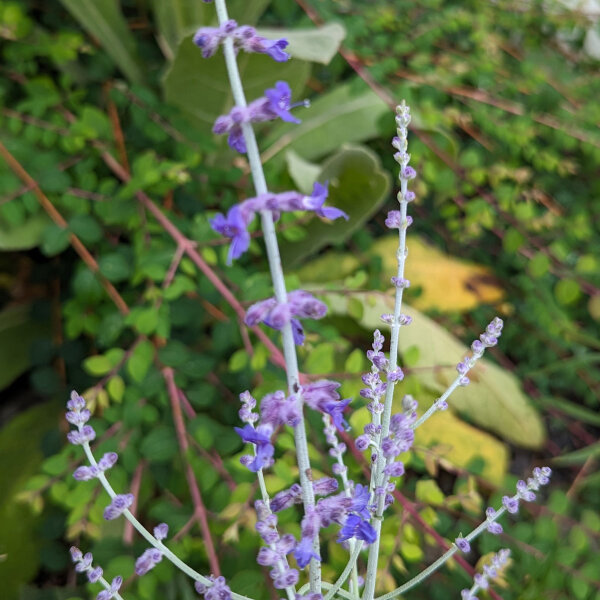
(339, 469)
(467, 595)
(119, 504)
(261, 438)
(84, 563)
(76, 403)
(394, 219)
(147, 561)
(394, 469)
(494, 528)
(161, 531)
(76, 554)
(464, 381)
(400, 282)
(94, 575)
(477, 347)
(409, 196)
(78, 418)
(362, 442)
(85, 473)
(288, 578)
(325, 486)
(408, 173)
(286, 498)
(395, 375)
(83, 436)
(107, 461)
(462, 544)
(511, 504)
(481, 581)
(219, 590)
(462, 368)
(267, 557)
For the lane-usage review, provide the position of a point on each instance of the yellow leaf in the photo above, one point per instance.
(448, 283)
(463, 444)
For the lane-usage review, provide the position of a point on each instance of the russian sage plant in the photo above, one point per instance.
(357, 509)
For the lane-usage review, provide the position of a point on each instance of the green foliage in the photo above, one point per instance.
(505, 118)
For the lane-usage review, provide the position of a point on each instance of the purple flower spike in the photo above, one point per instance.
(279, 101)
(316, 200)
(234, 226)
(462, 544)
(85, 435)
(511, 504)
(76, 403)
(119, 504)
(355, 527)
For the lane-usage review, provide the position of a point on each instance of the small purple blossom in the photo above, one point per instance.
(161, 531)
(233, 226)
(147, 561)
(219, 590)
(94, 574)
(119, 504)
(322, 396)
(511, 504)
(261, 438)
(83, 436)
(304, 551)
(299, 304)
(462, 544)
(276, 409)
(357, 528)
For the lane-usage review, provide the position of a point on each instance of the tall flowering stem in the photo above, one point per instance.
(404, 196)
(270, 238)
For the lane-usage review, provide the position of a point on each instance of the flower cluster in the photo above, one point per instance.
(83, 564)
(152, 556)
(299, 305)
(235, 225)
(218, 590)
(79, 415)
(275, 104)
(244, 38)
(491, 571)
(85, 473)
(278, 547)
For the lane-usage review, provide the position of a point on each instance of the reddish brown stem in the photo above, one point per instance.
(58, 219)
(199, 508)
(136, 482)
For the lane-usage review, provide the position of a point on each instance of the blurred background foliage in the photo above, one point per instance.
(105, 131)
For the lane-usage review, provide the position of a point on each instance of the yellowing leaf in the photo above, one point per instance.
(463, 444)
(448, 283)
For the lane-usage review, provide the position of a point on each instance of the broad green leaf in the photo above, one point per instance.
(448, 284)
(104, 21)
(494, 399)
(579, 456)
(316, 45)
(358, 185)
(303, 172)
(349, 113)
(17, 332)
(331, 266)
(200, 86)
(140, 360)
(25, 236)
(20, 458)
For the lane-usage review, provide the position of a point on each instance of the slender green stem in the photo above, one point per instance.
(148, 536)
(270, 238)
(346, 572)
(432, 568)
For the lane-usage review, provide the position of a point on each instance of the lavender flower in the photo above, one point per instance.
(358, 528)
(245, 37)
(276, 103)
(219, 590)
(462, 544)
(276, 409)
(304, 551)
(246, 413)
(322, 396)
(147, 561)
(119, 504)
(299, 304)
(261, 438)
(85, 473)
(235, 227)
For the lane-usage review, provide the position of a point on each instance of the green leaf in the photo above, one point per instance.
(321, 359)
(116, 388)
(567, 291)
(191, 78)
(115, 266)
(17, 332)
(97, 365)
(349, 113)
(54, 239)
(429, 492)
(104, 21)
(358, 185)
(86, 228)
(25, 236)
(316, 44)
(303, 172)
(578, 456)
(159, 445)
(140, 360)
(494, 400)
